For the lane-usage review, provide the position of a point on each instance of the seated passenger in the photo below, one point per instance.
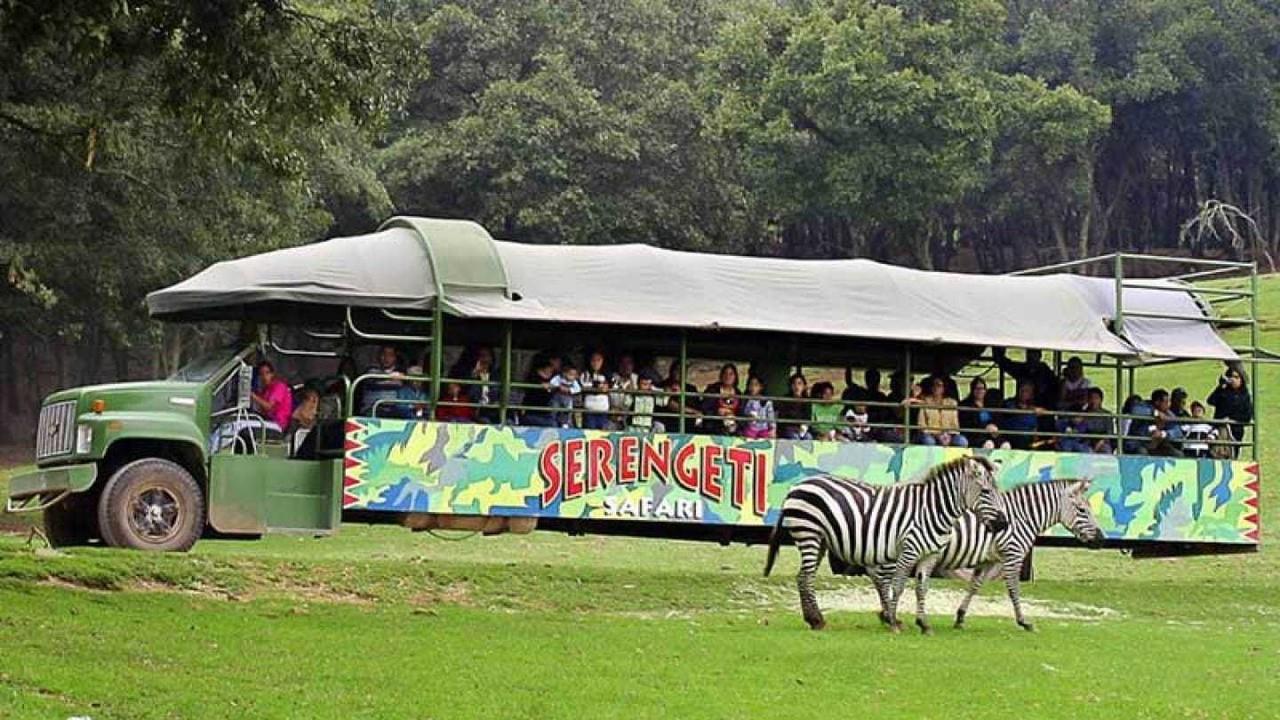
(827, 414)
(877, 408)
(1197, 433)
(334, 398)
(595, 394)
(623, 382)
(643, 405)
(538, 396)
(762, 423)
(722, 402)
(382, 388)
(271, 398)
(566, 394)
(476, 365)
(448, 411)
(940, 373)
(692, 407)
(1166, 431)
(978, 420)
(1096, 423)
(1033, 371)
(411, 400)
(1073, 390)
(793, 415)
(1019, 427)
(1178, 403)
(302, 423)
(859, 420)
(939, 421)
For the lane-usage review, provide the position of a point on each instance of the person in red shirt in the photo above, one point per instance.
(447, 412)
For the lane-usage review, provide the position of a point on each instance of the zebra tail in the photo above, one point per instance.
(775, 541)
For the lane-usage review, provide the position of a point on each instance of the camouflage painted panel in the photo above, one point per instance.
(406, 466)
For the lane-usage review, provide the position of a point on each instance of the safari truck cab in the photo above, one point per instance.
(147, 465)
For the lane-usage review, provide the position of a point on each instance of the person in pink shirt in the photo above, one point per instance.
(273, 398)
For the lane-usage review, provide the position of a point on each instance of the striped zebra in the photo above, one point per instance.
(890, 527)
(1032, 510)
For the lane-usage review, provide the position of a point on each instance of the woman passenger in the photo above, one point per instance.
(1231, 402)
(977, 419)
(722, 402)
(793, 413)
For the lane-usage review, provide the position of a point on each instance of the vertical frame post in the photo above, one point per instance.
(906, 393)
(1253, 357)
(684, 373)
(437, 352)
(506, 373)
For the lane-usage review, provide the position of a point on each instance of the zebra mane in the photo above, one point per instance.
(946, 468)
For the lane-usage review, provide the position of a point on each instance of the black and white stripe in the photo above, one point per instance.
(1032, 509)
(884, 527)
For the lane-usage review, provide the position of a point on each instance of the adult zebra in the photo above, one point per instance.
(886, 527)
(1032, 510)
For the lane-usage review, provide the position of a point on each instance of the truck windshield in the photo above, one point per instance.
(203, 366)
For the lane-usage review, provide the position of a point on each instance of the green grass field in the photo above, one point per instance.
(379, 622)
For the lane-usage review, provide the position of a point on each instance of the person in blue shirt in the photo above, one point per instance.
(1019, 428)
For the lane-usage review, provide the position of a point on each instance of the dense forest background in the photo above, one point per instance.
(141, 141)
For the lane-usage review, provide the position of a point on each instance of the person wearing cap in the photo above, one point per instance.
(1178, 403)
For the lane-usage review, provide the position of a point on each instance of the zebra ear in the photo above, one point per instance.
(1080, 487)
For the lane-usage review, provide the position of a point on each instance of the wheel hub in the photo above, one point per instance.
(154, 514)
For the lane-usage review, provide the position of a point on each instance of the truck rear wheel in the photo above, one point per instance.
(151, 504)
(70, 522)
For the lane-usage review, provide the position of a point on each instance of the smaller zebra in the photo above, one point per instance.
(1032, 510)
(891, 527)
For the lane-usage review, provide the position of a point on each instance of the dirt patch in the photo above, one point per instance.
(944, 601)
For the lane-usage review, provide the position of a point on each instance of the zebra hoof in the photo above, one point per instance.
(1027, 626)
(959, 620)
(816, 623)
(884, 617)
(925, 628)
(895, 627)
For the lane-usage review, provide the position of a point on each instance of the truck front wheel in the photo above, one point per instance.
(151, 504)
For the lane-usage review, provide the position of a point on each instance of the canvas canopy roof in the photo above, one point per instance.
(410, 262)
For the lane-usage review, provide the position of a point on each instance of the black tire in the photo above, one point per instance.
(151, 504)
(71, 522)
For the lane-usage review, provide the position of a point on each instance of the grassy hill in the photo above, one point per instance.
(379, 622)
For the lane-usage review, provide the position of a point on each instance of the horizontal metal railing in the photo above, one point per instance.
(907, 429)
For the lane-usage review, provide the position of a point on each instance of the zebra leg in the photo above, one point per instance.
(811, 552)
(882, 578)
(981, 574)
(923, 571)
(1012, 581)
(906, 563)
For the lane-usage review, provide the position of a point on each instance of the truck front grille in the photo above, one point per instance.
(56, 433)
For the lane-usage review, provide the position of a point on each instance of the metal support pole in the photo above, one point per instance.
(684, 373)
(1253, 357)
(1119, 405)
(1118, 321)
(437, 353)
(906, 393)
(506, 373)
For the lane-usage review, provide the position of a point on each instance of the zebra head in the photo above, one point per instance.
(981, 494)
(1075, 513)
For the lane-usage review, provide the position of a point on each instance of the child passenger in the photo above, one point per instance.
(761, 425)
(828, 415)
(1197, 434)
(566, 393)
(643, 405)
(595, 395)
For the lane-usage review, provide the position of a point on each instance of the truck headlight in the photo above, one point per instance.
(84, 439)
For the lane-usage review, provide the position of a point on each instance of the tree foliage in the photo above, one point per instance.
(142, 140)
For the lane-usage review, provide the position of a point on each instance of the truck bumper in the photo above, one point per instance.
(42, 488)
